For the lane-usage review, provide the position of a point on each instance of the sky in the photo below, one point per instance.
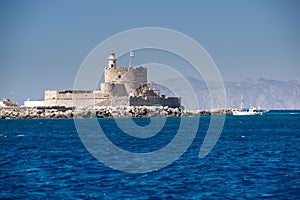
(43, 43)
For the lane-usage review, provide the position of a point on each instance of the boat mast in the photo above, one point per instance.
(241, 102)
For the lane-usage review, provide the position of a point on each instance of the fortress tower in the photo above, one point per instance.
(122, 81)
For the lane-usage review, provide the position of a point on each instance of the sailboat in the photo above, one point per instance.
(245, 111)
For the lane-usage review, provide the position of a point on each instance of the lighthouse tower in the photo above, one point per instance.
(112, 61)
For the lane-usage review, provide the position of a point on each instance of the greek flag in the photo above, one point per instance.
(131, 53)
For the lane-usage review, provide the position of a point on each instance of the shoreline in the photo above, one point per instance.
(100, 112)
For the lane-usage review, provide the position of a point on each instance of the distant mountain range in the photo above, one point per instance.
(261, 93)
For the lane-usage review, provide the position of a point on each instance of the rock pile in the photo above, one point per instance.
(88, 112)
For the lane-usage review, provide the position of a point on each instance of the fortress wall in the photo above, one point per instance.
(173, 102)
(106, 88)
(114, 89)
(98, 94)
(120, 101)
(69, 98)
(50, 95)
(50, 98)
(67, 94)
(102, 102)
(76, 94)
(101, 99)
(66, 103)
(136, 78)
(115, 75)
(98, 98)
(50, 103)
(119, 90)
(81, 98)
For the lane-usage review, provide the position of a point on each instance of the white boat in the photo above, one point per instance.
(245, 111)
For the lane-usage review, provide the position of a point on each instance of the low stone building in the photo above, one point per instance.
(7, 103)
(4, 102)
(123, 86)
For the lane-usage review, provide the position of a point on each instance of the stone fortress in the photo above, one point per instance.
(123, 86)
(124, 93)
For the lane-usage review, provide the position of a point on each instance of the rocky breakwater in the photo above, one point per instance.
(88, 112)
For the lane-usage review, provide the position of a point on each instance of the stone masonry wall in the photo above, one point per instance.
(173, 102)
(132, 78)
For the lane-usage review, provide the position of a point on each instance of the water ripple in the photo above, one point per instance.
(255, 158)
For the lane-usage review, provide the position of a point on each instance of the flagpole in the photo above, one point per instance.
(131, 55)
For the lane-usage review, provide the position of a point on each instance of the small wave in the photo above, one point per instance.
(20, 135)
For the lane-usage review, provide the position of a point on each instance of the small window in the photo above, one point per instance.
(119, 76)
(112, 65)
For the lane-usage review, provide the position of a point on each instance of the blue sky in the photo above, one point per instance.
(43, 43)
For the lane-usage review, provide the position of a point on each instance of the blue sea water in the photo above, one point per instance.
(256, 157)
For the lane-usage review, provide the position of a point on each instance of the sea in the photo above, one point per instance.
(255, 157)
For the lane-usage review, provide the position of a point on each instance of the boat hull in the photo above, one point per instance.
(246, 113)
